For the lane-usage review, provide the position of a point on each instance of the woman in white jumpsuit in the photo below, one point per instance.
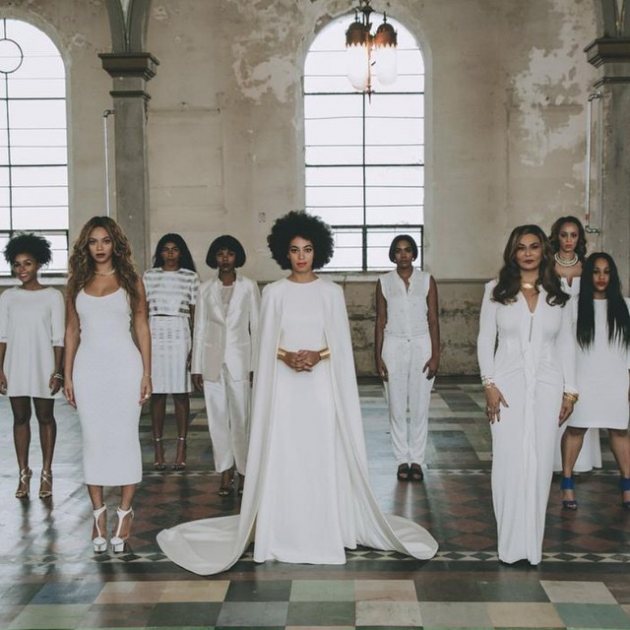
(407, 352)
(529, 387)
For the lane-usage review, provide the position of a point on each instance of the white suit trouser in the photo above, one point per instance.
(408, 388)
(227, 406)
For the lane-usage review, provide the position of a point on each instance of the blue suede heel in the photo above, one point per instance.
(567, 484)
(624, 485)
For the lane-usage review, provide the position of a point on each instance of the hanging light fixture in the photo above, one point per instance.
(370, 55)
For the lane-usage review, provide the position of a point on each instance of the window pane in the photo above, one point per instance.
(43, 196)
(37, 114)
(40, 218)
(5, 218)
(40, 176)
(345, 127)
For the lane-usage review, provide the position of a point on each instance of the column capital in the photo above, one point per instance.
(608, 50)
(129, 64)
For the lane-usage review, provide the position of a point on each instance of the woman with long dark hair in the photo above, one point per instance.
(171, 287)
(603, 360)
(529, 384)
(107, 376)
(307, 495)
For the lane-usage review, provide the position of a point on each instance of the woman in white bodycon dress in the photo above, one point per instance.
(407, 352)
(307, 495)
(107, 376)
(31, 352)
(171, 287)
(603, 360)
(568, 242)
(531, 374)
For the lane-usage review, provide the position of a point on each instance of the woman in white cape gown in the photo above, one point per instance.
(213, 545)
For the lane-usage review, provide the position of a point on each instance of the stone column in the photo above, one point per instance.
(612, 58)
(130, 72)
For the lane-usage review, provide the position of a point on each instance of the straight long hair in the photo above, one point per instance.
(618, 318)
(185, 257)
(509, 283)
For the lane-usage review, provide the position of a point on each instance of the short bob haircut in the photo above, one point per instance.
(185, 261)
(554, 237)
(403, 237)
(225, 242)
(310, 228)
(36, 246)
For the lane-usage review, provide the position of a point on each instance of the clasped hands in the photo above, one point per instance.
(300, 361)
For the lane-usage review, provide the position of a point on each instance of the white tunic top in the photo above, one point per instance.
(31, 323)
(602, 375)
(406, 307)
(170, 292)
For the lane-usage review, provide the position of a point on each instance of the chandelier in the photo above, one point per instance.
(370, 55)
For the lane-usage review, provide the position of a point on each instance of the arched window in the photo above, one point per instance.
(364, 154)
(33, 140)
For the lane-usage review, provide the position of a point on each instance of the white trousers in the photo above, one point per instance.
(227, 406)
(408, 389)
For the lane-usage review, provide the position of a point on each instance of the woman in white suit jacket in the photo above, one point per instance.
(225, 349)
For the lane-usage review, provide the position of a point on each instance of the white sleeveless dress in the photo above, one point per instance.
(107, 374)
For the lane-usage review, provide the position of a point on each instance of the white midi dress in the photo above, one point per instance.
(107, 375)
(602, 376)
(591, 452)
(533, 363)
(31, 324)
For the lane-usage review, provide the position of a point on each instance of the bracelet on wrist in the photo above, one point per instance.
(58, 376)
(324, 354)
(487, 382)
(572, 397)
(281, 353)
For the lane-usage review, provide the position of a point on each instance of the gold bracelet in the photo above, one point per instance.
(281, 354)
(572, 397)
(324, 354)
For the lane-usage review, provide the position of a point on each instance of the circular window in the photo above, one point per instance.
(10, 56)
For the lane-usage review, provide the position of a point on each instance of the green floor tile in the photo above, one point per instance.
(594, 616)
(320, 614)
(322, 591)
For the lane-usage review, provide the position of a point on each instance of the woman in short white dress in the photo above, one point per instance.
(603, 361)
(526, 354)
(107, 376)
(171, 287)
(31, 352)
(407, 352)
(568, 241)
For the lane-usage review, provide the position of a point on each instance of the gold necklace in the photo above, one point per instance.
(527, 285)
(105, 273)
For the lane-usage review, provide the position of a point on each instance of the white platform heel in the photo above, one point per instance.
(99, 542)
(118, 543)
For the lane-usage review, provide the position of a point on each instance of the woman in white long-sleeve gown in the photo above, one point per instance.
(529, 387)
(307, 488)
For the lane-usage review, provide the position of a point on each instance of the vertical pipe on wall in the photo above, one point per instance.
(589, 158)
(106, 114)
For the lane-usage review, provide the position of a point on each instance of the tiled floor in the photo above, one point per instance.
(50, 579)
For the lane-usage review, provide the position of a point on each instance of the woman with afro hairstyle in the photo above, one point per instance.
(526, 353)
(603, 361)
(307, 496)
(107, 372)
(225, 349)
(31, 353)
(171, 286)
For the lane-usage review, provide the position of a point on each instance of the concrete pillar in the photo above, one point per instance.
(612, 204)
(130, 72)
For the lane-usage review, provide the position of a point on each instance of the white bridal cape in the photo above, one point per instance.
(213, 545)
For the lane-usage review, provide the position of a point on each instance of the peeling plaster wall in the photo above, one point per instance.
(507, 84)
(80, 30)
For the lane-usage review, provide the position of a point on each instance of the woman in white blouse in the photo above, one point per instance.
(529, 384)
(31, 352)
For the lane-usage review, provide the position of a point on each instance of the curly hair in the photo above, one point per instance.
(185, 257)
(310, 228)
(617, 314)
(81, 265)
(509, 283)
(27, 243)
(554, 237)
(225, 242)
(394, 245)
